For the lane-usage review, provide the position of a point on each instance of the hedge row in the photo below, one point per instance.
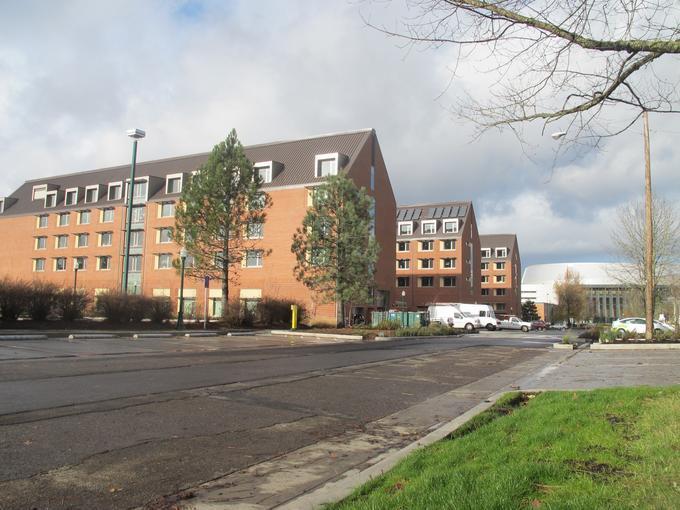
(38, 300)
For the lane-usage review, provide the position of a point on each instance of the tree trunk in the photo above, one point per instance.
(225, 278)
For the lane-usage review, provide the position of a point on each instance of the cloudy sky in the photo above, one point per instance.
(74, 75)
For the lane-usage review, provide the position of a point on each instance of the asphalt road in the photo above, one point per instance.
(119, 423)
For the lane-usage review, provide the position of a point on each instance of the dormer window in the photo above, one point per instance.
(428, 227)
(326, 164)
(115, 190)
(486, 253)
(264, 171)
(39, 191)
(173, 183)
(51, 199)
(450, 226)
(501, 252)
(71, 196)
(91, 194)
(139, 189)
(405, 228)
(2, 205)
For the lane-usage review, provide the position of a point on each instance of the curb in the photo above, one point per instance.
(23, 337)
(199, 334)
(339, 489)
(152, 335)
(633, 347)
(80, 336)
(285, 332)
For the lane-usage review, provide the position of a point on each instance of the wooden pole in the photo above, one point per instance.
(649, 236)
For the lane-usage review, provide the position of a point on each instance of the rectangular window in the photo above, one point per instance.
(426, 263)
(448, 244)
(326, 164)
(500, 292)
(105, 238)
(403, 246)
(255, 231)
(82, 240)
(38, 265)
(428, 227)
(264, 172)
(135, 264)
(167, 209)
(500, 278)
(104, 263)
(41, 243)
(500, 307)
(426, 245)
(425, 281)
(164, 235)
(61, 242)
(136, 238)
(60, 264)
(43, 220)
(405, 228)
(486, 253)
(115, 191)
(485, 279)
(107, 215)
(173, 184)
(500, 266)
(403, 281)
(448, 281)
(63, 219)
(39, 191)
(501, 253)
(253, 258)
(91, 194)
(403, 264)
(51, 199)
(71, 196)
(80, 263)
(448, 263)
(258, 202)
(139, 191)
(485, 266)
(485, 292)
(138, 213)
(84, 218)
(450, 226)
(164, 261)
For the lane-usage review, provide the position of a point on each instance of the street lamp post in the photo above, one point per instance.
(180, 312)
(136, 135)
(75, 275)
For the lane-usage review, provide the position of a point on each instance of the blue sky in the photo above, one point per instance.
(74, 75)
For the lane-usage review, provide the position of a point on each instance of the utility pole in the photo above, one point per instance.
(649, 236)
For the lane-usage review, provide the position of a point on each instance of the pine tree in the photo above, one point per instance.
(335, 247)
(529, 311)
(220, 207)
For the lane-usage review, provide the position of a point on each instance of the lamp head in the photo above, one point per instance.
(136, 133)
(558, 134)
(183, 253)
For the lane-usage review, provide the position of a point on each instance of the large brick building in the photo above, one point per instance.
(501, 268)
(437, 255)
(52, 223)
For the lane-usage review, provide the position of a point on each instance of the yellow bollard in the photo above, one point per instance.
(294, 318)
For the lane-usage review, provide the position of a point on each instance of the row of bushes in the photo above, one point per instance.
(39, 300)
(605, 334)
(433, 329)
(267, 311)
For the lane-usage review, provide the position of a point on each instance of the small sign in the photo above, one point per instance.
(206, 282)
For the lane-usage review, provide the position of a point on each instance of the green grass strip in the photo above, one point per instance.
(602, 449)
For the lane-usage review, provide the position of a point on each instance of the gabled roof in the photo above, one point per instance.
(436, 211)
(297, 157)
(508, 241)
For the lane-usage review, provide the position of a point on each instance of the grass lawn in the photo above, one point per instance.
(613, 449)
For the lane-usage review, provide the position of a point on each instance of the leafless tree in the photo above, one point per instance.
(549, 60)
(571, 297)
(628, 239)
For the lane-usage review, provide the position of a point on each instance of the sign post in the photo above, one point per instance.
(206, 286)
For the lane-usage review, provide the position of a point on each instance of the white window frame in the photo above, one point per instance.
(56, 269)
(500, 278)
(441, 282)
(484, 279)
(56, 241)
(44, 238)
(170, 177)
(484, 266)
(94, 187)
(47, 222)
(80, 217)
(159, 238)
(86, 237)
(409, 224)
(77, 260)
(408, 282)
(63, 215)
(126, 187)
(408, 246)
(421, 243)
(101, 238)
(35, 265)
(420, 282)
(99, 262)
(421, 264)
(119, 185)
(160, 209)
(39, 188)
(164, 256)
(453, 245)
(262, 165)
(333, 156)
(432, 223)
(260, 258)
(407, 264)
(454, 223)
(486, 253)
(2, 205)
(497, 264)
(257, 236)
(443, 263)
(502, 250)
(66, 194)
(103, 219)
(51, 194)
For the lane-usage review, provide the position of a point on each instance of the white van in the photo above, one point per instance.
(449, 313)
(487, 317)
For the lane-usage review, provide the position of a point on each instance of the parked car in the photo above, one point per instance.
(447, 313)
(561, 325)
(513, 322)
(540, 325)
(486, 315)
(638, 325)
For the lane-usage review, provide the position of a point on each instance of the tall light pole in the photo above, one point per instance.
(135, 134)
(649, 236)
(75, 275)
(180, 312)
